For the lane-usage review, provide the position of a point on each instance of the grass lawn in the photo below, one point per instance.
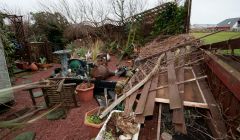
(217, 37)
(222, 36)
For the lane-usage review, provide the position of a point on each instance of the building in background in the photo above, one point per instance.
(232, 24)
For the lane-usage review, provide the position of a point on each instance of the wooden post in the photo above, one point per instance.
(159, 122)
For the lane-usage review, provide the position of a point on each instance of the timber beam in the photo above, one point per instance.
(226, 73)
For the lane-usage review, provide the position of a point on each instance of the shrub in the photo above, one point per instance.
(170, 21)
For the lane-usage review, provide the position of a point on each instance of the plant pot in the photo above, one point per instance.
(100, 135)
(85, 94)
(22, 65)
(92, 112)
(44, 65)
(33, 67)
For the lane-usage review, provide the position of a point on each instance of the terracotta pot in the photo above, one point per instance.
(91, 112)
(44, 65)
(22, 65)
(85, 94)
(33, 67)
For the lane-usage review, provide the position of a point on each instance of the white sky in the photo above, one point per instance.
(203, 11)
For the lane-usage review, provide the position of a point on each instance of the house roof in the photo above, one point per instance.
(228, 22)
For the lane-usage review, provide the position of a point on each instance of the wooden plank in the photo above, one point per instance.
(137, 78)
(184, 65)
(130, 102)
(130, 83)
(149, 107)
(219, 128)
(126, 106)
(143, 72)
(174, 97)
(143, 98)
(178, 114)
(229, 75)
(159, 122)
(181, 82)
(140, 118)
(185, 103)
(135, 88)
(199, 88)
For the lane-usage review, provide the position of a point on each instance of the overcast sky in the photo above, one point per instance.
(203, 11)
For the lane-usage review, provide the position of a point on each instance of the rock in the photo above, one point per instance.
(26, 136)
(166, 136)
(101, 72)
(56, 114)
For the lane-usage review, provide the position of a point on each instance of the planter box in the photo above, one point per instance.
(101, 132)
(91, 112)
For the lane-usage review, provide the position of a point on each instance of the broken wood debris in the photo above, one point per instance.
(136, 87)
(174, 97)
(171, 80)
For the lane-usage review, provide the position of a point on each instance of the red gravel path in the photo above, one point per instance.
(71, 128)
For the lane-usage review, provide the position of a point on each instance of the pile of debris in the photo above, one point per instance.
(161, 42)
(169, 73)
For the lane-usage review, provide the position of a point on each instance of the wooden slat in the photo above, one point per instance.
(185, 103)
(130, 83)
(135, 88)
(137, 78)
(174, 97)
(140, 118)
(159, 122)
(219, 128)
(143, 72)
(126, 106)
(199, 88)
(149, 107)
(143, 98)
(182, 82)
(178, 114)
(130, 102)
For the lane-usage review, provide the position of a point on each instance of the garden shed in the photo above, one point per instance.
(4, 78)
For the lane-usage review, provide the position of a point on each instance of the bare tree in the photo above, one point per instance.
(127, 8)
(78, 11)
(4, 8)
(67, 9)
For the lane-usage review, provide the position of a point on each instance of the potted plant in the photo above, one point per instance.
(92, 118)
(43, 63)
(119, 126)
(85, 89)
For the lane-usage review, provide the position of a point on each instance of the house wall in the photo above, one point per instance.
(4, 78)
(236, 27)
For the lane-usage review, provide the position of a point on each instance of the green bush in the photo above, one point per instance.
(94, 119)
(81, 52)
(171, 20)
(9, 49)
(112, 47)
